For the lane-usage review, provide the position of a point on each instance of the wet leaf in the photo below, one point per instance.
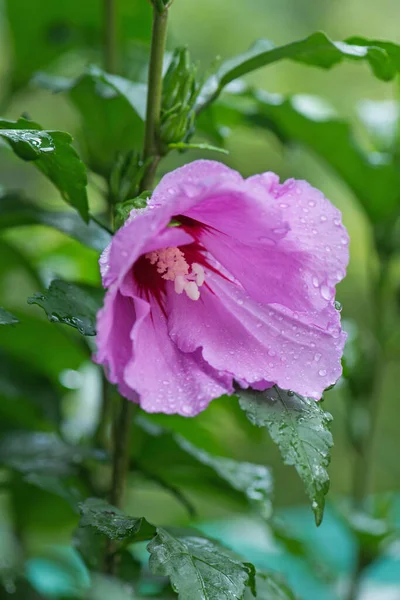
(300, 428)
(17, 211)
(199, 568)
(52, 153)
(71, 304)
(113, 523)
(316, 50)
(6, 318)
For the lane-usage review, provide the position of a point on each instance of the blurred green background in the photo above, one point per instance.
(31, 256)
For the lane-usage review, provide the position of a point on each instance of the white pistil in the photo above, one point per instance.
(172, 266)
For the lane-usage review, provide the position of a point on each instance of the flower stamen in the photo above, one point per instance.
(172, 266)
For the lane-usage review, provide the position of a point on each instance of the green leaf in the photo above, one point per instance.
(300, 428)
(254, 481)
(112, 111)
(16, 211)
(199, 146)
(42, 453)
(112, 523)
(6, 318)
(316, 50)
(199, 569)
(271, 586)
(53, 155)
(71, 304)
(54, 28)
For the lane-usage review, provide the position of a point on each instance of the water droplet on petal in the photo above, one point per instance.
(323, 217)
(317, 356)
(271, 352)
(322, 372)
(315, 282)
(336, 222)
(311, 203)
(326, 292)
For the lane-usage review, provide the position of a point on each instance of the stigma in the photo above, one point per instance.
(172, 266)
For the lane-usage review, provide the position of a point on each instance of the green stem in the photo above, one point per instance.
(110, 36)
(122, 434)
(154, 98)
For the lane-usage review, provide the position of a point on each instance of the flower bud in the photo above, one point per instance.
(180, 91)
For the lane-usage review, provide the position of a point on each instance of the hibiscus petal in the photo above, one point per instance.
(114, 349)
(269, 274)
(212, 194)
(258, 342)
(315, 228)
(166, 379)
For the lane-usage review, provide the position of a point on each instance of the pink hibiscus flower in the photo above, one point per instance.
(223, 279)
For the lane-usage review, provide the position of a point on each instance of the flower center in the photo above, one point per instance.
(172, 266)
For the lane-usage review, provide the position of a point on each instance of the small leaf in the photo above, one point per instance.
(7, 318)
(199, 568)
(53, 155)
(316, 50)
(300, 428)
(199, 146)
(112, 523)
(71, 304)
(41, 453)
(16, 211)
(271, 586)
